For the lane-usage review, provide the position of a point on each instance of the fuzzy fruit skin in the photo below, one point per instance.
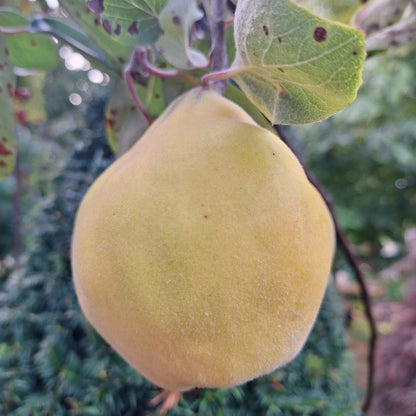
(202, 255)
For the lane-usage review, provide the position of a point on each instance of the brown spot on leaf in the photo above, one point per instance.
(96, 21)
(132, 29)
(110, 123)
(4, 139)
(279, 39)
(21, 117)
(96, 6)
(4, 151)
(22, 93)
(266, 30)
(32, 43)
(121, 59)
(319, 34)
(107, 26)
(117, 30)
(3, 163)
(176, 20)
(281, 69)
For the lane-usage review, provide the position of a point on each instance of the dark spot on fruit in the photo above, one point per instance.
(176, 20)
(107, 26)
(279, 39)
(266, 30)
(96, 6)
(4, 151)
(355, 53)
(121, 59)
(206, 217)
(274, 154)
(132, 29)
(117, 30)
(319, 34)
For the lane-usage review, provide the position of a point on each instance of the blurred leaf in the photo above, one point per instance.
(379, 14)
(33, 51)
(398, 34)
(176, 21)
(296, 67)
(115, 50)
(29, 106)
(72, 35)
(7, 86)
(123, 122)
(117, 25)
(133, 22)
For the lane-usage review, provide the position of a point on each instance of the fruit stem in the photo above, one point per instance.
(345, 246)
(219, 58)
(142, 58)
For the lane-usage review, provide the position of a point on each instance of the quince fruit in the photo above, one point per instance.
(202, 254)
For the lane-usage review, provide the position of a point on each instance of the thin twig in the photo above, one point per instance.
(219, 57)
(142, 57)
(128, 77)
(16, 30)
(353, 261)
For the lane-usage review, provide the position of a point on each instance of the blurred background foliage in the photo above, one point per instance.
(365, 156)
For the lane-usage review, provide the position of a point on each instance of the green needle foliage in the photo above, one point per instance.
(53, 363)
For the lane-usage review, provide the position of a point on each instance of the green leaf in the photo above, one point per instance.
(29, 106)
(7, 85)
(33, 51)
(134, 22)
(124, 123)
(117, 25)
(294, 66)
(176, 21)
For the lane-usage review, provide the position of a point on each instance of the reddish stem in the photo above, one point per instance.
(353, 261)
